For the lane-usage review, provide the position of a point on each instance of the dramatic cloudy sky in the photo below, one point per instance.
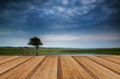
(60, 23)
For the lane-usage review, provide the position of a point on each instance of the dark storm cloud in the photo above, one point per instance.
(114, 19)
(83, 14)
(39, 17)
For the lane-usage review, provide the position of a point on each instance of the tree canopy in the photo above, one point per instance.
(35, 41)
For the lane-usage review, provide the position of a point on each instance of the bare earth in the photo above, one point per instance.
(59, 67)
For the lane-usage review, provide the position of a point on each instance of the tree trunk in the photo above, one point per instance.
(37, 49)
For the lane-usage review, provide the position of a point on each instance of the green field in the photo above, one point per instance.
(56, 51)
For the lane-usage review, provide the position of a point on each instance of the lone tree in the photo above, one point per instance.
(35, 41)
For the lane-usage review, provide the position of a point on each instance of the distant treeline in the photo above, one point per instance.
(49, 51)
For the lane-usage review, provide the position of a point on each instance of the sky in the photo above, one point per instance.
(61, 23)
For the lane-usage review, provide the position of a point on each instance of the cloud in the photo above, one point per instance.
(59, 37)
(62, 26)
(67, 37)
(86, 2)
(10, 32)
(60, 9)
(65, 2)
(13, 41)
(18, 13)
(2, 33)
(5, 32)
(43, 15)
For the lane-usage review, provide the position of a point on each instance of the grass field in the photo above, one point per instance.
(56, 51)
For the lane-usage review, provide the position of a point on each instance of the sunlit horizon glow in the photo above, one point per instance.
(61, 23)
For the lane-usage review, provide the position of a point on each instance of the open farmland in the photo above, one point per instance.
(56, 51)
